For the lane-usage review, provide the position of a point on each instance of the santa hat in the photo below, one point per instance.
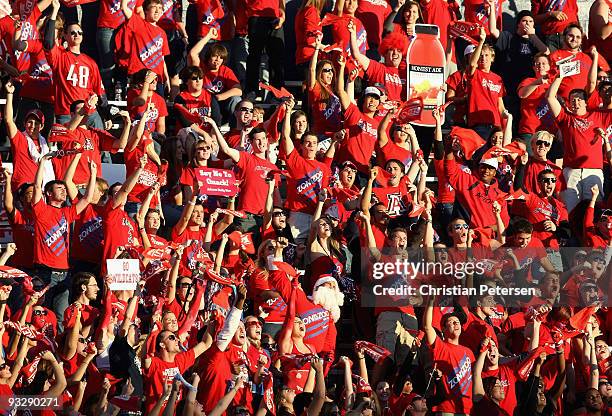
(469, 140)
(322, 280)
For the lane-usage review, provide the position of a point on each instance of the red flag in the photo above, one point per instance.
(376, 352)
(605, 365)
(60, 133)
(581, 318)
(464, 30)
(161, 173)
(515, 147)
(409, 111)
(243, 240)
(336, 47)
(519, 194)
(468, 139)
(216, 277)
(282, 93)
(239, 214)
(495, 151)
(268, 395)
(286, 268)
(417, 209)
(155, 253)
(362, 386)
(525, 368)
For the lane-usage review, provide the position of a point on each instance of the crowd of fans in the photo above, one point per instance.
(266, 299)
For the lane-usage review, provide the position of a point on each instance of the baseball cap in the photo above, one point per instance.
(348, 164)
(490, 162)
(469, 49)
(36, 114)
(372, 91)
(604, 82)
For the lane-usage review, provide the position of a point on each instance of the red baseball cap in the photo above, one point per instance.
(36, 114)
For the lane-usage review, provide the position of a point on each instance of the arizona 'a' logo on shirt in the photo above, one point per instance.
(395, 205)
(460, 379)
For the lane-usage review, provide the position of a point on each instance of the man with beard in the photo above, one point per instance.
(453, 360)
(597, 234)
(319, 312)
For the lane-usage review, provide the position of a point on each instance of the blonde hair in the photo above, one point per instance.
(542, 134)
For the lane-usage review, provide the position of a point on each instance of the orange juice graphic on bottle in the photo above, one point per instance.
(426, 61)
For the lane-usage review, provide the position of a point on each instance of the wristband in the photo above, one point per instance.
(192, 203)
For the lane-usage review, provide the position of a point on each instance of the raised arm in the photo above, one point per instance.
(11, 127)
(345, 99)
(475, 57)
(176, 262)
(383, 137)
(363, 60)
(318, 395)
(89, 193)
(490, 6)
(60, 384)
(121, 196)
(125, 8)
(551, 96)
(9, 205)
(478, 391)
(193, 58)
(38, 179)
(137, 131)
(366, 197)
(49, 37)
(430, 332)
(223, 146)
(592, 76)
(312, 66)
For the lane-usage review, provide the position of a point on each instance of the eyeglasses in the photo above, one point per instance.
(543, 143)
(171, 337)
(39, 312)
(253, 323)
(204, 149)
(246, 110)
(461, 226)
(548, 180)
(279, 214)
(196, 78)
(326, 70)
(76, 32)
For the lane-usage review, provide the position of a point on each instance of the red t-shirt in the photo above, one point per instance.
(252, 172)
(22, 59)
(390, 77)
(193, 108)
(166, 21)
(306, 178)
(37, 83)
(373, 14)
(326, 113)
(579, 80)
(93, 141)
(111, 16)
(147, 177)
(307, 23)
(542, 209)
(525, 256)
(75, 77)
(458, 82)
(341, 35)
(263, 8)
(148, 46)
(476, 12)
(486, 88)
(193, 241)
(159, 108)
(455, 363)
(162, 372)
(535, 112)
(52, 234)
(392, 151)
(551, 25)
(220, 81)
(533, 169)
(119, 230)
(276, 308)
(24, 166)
(22, 227)
(439, 13)
(582, 148)
(212, 13)
(506, 373)
(395, 198)
(88, 237)
(359, 146)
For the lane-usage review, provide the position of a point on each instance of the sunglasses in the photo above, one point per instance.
(549, 180)
(184, 285)
(246, 110)
(326, 70)
(76, 32)
(253, 323)
(279, 214)
(39, 312)
(461, 226)
(204, 149)
(543, 143)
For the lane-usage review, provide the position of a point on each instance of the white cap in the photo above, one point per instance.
(372, 91)
(469, 49)
(490, 162)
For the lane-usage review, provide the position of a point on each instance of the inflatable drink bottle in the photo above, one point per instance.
(426, 61)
